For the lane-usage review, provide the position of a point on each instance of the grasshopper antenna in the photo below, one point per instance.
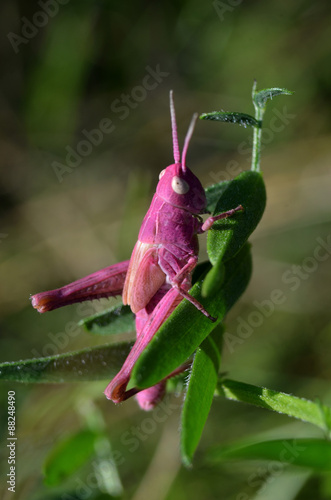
(174, 129)
(187, 140)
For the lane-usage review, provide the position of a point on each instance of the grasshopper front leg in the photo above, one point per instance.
(210, 221)
(107, 282)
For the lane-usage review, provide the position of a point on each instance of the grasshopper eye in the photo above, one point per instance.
(161, 174)
(179, 185)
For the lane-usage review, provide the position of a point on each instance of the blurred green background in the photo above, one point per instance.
(69, 68)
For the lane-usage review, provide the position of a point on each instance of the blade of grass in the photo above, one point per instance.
(302, 409)
(96, 363)
(312, 453)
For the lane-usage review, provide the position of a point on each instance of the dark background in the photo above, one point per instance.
(68, 76)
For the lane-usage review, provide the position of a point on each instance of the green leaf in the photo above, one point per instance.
(232, 117)
(213, 193)
(261, 97)
(311, 453)
(200, 392)
(227, 236)
(95, 363)
(68, 456)
(302, 409)
(115, 320)
(187, 327)
(214, 279)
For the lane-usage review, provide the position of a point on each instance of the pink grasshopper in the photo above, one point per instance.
(158, 275)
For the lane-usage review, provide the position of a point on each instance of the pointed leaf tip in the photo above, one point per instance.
(261, 97)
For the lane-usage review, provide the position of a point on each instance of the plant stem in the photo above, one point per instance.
(257, 134)
(256, 152)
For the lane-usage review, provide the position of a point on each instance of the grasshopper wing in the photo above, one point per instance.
(144, 276)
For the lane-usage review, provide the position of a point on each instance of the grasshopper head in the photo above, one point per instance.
(182, 189)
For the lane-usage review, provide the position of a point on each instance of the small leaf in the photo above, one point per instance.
(261, 97)
(187, 327)
(213, 193)
(311, 453)
(232, 117)
(115, 320)
(302, 409)
(227, 236)
(95, 363)
(200, 392)
(68, 456)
